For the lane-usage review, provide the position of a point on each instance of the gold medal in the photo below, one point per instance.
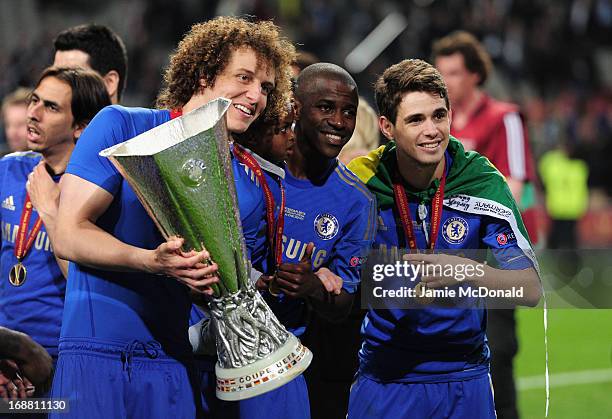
(17, 275)
(23, 243)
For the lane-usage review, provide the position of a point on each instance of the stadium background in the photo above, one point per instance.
(553, 57)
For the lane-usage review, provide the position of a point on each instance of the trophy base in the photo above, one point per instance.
(264, 375)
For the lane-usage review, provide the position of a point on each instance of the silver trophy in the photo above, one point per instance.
(182, 173)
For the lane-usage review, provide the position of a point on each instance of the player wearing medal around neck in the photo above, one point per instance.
(258, 157)
(330, 215)
(433, 362)
(33, 284)
(125, 350)
(324, 236)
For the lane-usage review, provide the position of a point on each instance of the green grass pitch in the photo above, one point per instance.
(580, 363)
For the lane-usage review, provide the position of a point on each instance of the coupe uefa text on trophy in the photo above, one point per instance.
(181, 171)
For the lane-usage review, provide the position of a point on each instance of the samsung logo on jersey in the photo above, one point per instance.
(294, 251)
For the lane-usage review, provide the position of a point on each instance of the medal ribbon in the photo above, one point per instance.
(275, 237)
(403, 207)
(23, 244)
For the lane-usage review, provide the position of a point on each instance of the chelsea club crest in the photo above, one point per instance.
(326, 226)
(455, 230)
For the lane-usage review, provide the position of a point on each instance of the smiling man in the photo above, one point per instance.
(321, 231)
(32, 283)
(430, 361)
(124, 350)
(329, 223)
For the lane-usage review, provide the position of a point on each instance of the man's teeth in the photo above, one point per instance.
(333, 137)
(430, 145)
(244, 109)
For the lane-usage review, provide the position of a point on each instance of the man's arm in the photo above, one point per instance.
(80, 240)
(31, 358)
(44, 194)
(483, 276)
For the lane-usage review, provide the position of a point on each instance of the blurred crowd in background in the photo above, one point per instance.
(552, 57)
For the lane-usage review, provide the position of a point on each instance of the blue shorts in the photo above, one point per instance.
(467, 399)
(109, 379)
(211, 405)
(289, 401)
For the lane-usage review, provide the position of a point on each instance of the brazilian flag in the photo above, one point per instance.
(473, 185)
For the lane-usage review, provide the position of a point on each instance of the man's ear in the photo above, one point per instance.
(111, 81)
(78, 130)
(386, 127)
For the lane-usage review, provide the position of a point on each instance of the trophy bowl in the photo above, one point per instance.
(181, 172)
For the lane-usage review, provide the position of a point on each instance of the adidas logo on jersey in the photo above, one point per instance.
(8, 203)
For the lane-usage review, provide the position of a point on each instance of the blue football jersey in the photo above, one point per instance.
(432, 344)
(135, 305)
(339, 217)
(261, 254)
(36, 306)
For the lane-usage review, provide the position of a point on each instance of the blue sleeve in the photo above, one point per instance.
(106, 129)
(501, 240)
(350, 253)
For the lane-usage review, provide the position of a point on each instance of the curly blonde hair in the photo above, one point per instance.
(205, 52)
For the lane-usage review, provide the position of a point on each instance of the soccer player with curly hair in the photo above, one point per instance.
(124, 349)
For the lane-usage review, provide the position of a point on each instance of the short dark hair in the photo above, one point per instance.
(304, 82)
(476, 58)
(89, 93)
(407, 76)
(105, 48)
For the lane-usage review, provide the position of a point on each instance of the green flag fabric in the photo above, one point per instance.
(473, 185)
